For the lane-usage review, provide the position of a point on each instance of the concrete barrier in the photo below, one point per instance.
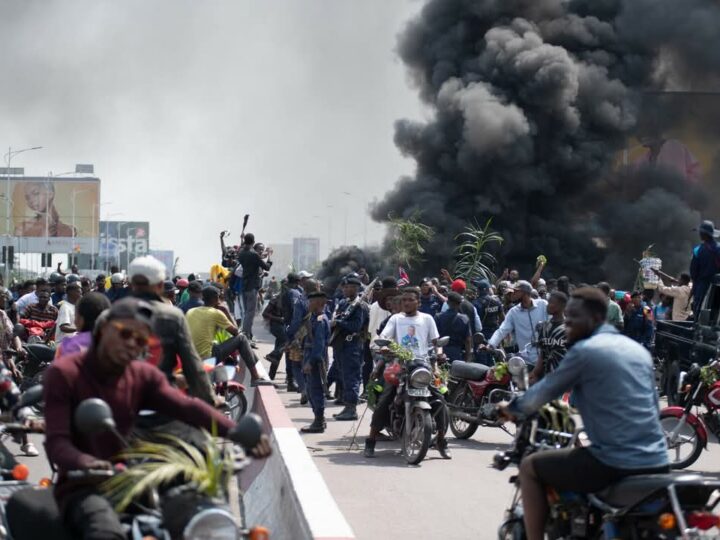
(286, 492)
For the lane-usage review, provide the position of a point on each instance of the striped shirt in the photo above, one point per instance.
(36, 313)
(552, 344)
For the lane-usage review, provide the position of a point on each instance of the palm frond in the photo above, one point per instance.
(153, 464)
(409, 237)
(473, 258)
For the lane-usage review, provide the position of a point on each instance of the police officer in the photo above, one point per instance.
(431, 301)
(300, 311)
(314, 352)
(456, 326)
(348, 324)
(639, 321)
(489, 308)
(705, 263)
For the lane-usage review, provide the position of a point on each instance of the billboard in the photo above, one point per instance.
(306, 253)
(122, 241)
(167, 257)
(51, 214)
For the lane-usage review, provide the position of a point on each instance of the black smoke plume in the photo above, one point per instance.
(346, 260)
(532, 101)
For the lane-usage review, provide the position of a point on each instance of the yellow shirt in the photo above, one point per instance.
(204, 322)
(219, 274)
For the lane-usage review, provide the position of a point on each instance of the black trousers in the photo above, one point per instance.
(90, 516)
(237, 343)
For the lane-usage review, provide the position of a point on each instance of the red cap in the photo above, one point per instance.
(458, 286)
(182, 283)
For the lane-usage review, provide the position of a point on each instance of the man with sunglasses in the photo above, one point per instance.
(111, 371)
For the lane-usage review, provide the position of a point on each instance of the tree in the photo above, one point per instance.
(474, 259)
(409, 237)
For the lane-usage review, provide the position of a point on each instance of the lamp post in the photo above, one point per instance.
(74, 195)
(107, 239)
(8, 160)
(97, 207)
(117, 244)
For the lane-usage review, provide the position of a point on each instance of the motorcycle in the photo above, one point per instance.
(37, 359)
(687, 432)
(224, 380)
(657, 506)
(172, 510)
(475, 390)
(418, 412)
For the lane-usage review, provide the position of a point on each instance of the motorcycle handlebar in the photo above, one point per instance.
(79, 474)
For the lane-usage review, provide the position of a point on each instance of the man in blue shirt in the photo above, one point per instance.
(613, 386)
(431, 302)
(639, 321)
(456, 326)
(315, 347)
(705, 263)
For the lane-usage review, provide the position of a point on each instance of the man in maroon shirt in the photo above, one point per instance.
(110, 371)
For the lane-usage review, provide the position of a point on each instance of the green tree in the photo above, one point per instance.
(473, 258)
(409, 237)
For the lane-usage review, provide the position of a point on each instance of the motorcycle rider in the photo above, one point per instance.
(613, 386)
(110, 370)
(425, 336)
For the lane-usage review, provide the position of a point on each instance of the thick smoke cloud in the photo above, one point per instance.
(532, 102)
(344, 261)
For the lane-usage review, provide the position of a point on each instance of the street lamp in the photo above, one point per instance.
(8, 160)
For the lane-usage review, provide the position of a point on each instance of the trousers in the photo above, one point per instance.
(250, 299)
(298, 375)
(91, 517)
(237, 343)
(351, 364)
(315, 391)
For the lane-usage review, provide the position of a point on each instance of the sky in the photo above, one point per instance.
(195, 113)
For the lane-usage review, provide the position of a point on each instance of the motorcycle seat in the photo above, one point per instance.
(33, 513)
(633, 489)
(41, 352)
(468, 371)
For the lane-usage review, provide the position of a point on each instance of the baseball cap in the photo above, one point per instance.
(182, 283)
(127, 308)
(304, 274)
(482, 285)
(169, 286)
(458, 286)
(148, 267)
(522, 285)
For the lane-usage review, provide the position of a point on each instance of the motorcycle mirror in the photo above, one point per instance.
(247, 432)
(443, 341)
(516, 365)
(32, 396)
(382, 342)
(94, 416)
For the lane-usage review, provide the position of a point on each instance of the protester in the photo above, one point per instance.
(169, 292)
(58, 282)
(117, 291)
(552, 343)
(680, 294)
(31, 297)
(42, 310)
(194, 299)
(100, 283)
(66, 314)
(431, 302)
(252, 265)
(456, 326)
(614, 312)
(87, 311)
(639, 321)
(273, 316)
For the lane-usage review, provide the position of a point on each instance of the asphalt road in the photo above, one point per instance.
(384, 497)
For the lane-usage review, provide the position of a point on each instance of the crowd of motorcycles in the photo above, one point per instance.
(658, 506)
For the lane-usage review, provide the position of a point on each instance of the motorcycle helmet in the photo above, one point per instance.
(56, 278)
(73, 278)
(392, 374)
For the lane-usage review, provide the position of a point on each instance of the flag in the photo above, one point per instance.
(403, 279)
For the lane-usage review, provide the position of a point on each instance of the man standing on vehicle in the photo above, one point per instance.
(705, 263)
(397, 329)
(522, 320)
(613, 385)
(252, 265)
(680, 294)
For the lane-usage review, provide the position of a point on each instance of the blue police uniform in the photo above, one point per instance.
(314, 354)
(457, 327)
(704, 265)
(639, 325)
(300, 311)
(348, 348)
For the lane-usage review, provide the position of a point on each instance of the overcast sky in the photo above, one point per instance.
(197, 112)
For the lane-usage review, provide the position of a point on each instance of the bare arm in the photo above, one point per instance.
(536, 276)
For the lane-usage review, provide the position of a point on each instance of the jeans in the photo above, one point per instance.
(250, 298)
(237, 343)
(91, 517)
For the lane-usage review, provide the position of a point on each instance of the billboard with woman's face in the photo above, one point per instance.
(52, 215)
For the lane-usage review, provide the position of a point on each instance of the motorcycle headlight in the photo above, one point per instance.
(420, 378)
(212, 524)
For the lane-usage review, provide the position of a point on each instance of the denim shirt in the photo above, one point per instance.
(613, 386)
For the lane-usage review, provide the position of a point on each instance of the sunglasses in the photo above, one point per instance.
(127, 333)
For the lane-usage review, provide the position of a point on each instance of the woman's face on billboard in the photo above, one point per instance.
(38, 197)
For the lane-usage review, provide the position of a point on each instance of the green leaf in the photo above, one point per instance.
(473, 258)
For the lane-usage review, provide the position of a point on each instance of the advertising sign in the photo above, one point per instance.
(51, 214)
(122, 241)
(306, 253)
(165, 256)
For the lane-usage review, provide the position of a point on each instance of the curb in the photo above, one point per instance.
(286, 493)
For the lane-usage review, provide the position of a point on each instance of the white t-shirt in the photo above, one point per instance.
(66, 315)
(414, 333)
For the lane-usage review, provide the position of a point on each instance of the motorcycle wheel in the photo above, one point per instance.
(461, 428)
(687, 438)
(417, 436)
(235, 405)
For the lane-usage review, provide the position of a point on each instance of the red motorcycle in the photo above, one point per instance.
(686, 432)
(475, 390)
